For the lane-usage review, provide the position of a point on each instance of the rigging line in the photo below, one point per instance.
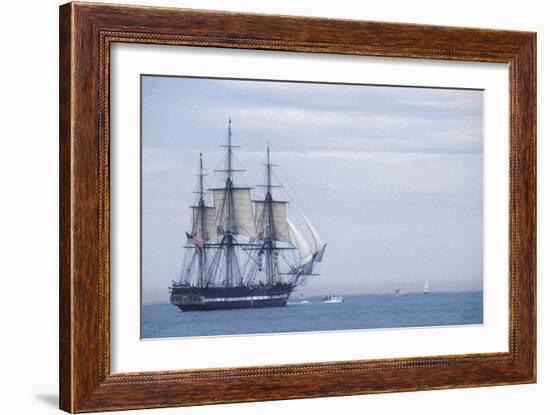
(246, 180)
(214, 264)
(288, 188)
(184, 264)
(252, 275)
(249, 144)
(258, 155)
(257, 193)
(237, 267)
(250, 256)
(189, 268)
(181, 273)
(246, 268)
(217, 182)
(207, 194)
(253, 154)
(296, 199)
(287, 261)
(284, 184)
(281, 171)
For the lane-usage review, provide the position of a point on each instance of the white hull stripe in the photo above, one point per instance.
(251, 298)
(184, 299)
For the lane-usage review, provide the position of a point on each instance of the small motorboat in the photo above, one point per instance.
(332, 299)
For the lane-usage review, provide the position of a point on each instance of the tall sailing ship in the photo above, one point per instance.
(243, 253)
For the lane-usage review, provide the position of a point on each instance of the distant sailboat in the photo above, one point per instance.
(398, 292)
(426, 284)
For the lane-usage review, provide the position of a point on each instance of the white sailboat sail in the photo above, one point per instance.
(303, 248)
(320, 245)
(426, 286)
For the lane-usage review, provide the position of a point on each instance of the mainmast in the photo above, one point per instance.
(229, 239)
(268, 172)
(203, 235)
(232, 216)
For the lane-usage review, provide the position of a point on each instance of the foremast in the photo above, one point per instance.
(201, 250)
(201, 234)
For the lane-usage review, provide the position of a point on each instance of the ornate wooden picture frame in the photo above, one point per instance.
(87, 32)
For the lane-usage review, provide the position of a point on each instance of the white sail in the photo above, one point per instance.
(303, 248)
(241, 211)
(280, 221)
(209, 232)
(320, 245)
(426, 284)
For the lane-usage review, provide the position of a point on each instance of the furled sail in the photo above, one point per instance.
(238, 215)
(320, 245)
(280, 223)
(306, 257)
(209, 233)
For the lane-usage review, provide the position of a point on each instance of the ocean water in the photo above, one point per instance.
(374, 311)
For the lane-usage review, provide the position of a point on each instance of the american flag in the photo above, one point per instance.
(195, 240)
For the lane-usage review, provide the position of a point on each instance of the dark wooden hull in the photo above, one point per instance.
(188, 298)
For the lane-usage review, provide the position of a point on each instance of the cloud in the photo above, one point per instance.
(191, 111)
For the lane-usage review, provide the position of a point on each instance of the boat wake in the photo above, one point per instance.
(303, 302)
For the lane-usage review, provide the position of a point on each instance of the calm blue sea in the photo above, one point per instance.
(373, 311)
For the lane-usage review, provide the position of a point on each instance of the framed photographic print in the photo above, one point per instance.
(260, 207)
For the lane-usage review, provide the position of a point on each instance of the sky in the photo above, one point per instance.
(391, 177)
